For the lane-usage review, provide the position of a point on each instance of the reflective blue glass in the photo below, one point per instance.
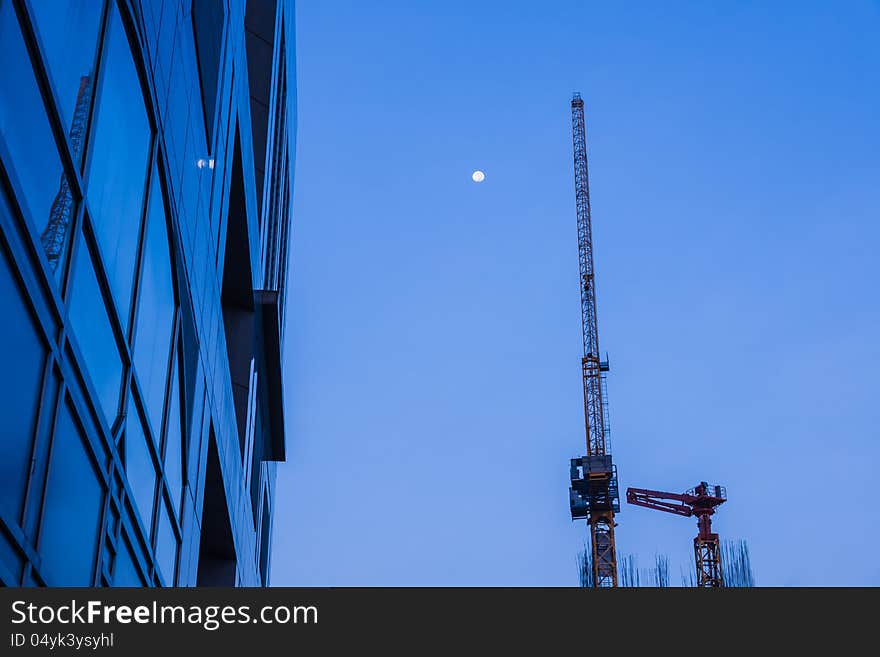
(22, 352)
(166, 547)
(265, 541)
(12, 560)
(173, 443)
(125, 572)
(91, 327)
(139, 466)
(25, 129)
(155, 318)
(68, 32)
(208, 18)
(72, 510)
(118, 169)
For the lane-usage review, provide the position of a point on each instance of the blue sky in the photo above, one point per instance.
(432, 356)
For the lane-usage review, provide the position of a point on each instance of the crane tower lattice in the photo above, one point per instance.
(593, 495)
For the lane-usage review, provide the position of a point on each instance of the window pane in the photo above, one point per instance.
(257, 463)
(155, 319)
(72, 511)
(208, 18)
(265, 541)
(119, 163)
(126, 572)
(166, 547)
(69, 35)
(12, 560)
(25, 129)
(23, 353)
(91, 326)
(173, 443)
(139, 466)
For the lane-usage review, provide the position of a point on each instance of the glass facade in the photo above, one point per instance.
(144, 218)
(118, 163)
(27, 132)
(23, 351)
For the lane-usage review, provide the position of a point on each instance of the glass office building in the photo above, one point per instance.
(146, 176)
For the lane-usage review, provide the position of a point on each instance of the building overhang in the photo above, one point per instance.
(269, 341)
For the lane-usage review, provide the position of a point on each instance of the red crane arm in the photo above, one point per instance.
(659, 500)
(700, 501)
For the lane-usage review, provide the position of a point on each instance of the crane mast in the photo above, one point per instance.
(593, 494)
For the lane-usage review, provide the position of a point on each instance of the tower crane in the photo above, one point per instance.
(593, 495)
(54, 235)
(700, 501)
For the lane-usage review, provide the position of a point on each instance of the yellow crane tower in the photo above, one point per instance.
(593, 494)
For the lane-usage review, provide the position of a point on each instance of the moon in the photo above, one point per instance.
(478, 176)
